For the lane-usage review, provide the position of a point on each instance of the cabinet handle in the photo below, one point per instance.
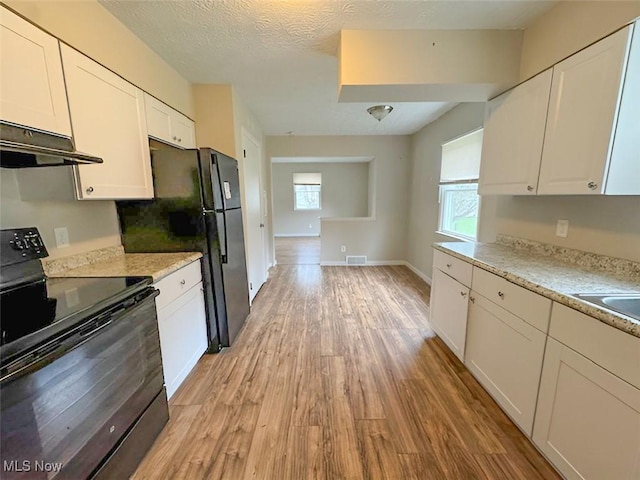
(592, 185)
(28, 133)
(179, 140)
(472, 299)
(530, 188)
(175, 138)
(464, 294)
(501, 295)
(448, 265)
(90, 190)
(182, 282)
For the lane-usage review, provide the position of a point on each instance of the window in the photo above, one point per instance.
(459, 199)
(307, 191)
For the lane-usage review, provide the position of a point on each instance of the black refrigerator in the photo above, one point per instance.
(196, 208)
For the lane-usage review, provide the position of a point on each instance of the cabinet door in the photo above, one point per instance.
(182, 131)
(32, 90)
(158, 119)
(513, 135)
(183, 336)
(587, 420)
(448, 314)
(505, 354)
(108, 121)
(585, 95)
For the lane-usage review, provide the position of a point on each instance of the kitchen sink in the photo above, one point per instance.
(625, 303)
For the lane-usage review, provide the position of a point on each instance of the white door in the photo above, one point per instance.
(250, 160)
(32, 91)
(513, 135)
(109, 121)
(449, 307)
(585, 94)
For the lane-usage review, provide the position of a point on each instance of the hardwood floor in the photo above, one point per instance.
(297, 250)
(337, 375)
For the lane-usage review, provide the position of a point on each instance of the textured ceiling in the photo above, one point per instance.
(281, 55)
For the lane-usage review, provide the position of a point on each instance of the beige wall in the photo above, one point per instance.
(382, 238)
(345, 193)
(426, 152)
(215, 127)
(605, 225)
(569, 27)
(46, 199)
(91, 224)
(89, 27)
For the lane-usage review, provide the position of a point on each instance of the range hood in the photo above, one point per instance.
(24, 148)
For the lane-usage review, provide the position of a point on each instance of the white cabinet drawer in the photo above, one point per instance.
(613, 349)
(531, 307)
(505, 354)
(177, 283)
(454, 267)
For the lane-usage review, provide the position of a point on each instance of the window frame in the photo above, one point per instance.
(295, 197)
(443, 188)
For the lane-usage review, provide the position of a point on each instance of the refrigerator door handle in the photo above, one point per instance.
(222, 235)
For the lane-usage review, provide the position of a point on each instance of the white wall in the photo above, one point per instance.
(383, 237)
(426, 152)
(90, 28)
(344, 193)
(91, 225)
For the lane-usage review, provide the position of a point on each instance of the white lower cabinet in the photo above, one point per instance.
(182, 324)
(449, 304)
(588, 418)
(505, 354)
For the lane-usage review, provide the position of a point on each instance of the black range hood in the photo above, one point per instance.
(25, 148)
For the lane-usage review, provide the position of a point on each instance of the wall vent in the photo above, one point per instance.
(356, 259)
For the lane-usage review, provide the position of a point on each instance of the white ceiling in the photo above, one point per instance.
(281, 55)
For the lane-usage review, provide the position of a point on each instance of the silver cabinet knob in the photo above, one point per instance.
(592, 185)
(89, 190)
(175, 138)
(530, 188)
(448, 265)
(28, 133)
(464, 294)
(182, 282)
(179, 140)
(472, 299)
(501, 294)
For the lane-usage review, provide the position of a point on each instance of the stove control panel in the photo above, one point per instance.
(21, 244)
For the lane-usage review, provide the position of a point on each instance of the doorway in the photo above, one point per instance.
(297, 250)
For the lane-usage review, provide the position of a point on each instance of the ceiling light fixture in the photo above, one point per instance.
(379, 111)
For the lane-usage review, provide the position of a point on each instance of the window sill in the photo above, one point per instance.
(456, 237)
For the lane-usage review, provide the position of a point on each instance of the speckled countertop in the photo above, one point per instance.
(155, 265)
(556, 277)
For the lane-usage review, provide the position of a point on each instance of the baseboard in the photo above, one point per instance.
(333, 264)
(424, 277)
(296, 235)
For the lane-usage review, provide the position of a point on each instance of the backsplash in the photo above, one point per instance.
(619, 266)
(57, 265)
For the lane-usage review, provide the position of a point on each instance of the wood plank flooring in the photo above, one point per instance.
(337, 375)
(297, 250)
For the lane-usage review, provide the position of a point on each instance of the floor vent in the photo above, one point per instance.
(356, 259)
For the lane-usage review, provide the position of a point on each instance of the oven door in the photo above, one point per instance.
(63, 412)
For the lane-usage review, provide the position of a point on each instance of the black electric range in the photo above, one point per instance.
(80, 368)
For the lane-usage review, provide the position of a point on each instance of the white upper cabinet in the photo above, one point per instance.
(513, 136)
(32, 90)
(584, 122)
(108, 121)
(168, 125)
